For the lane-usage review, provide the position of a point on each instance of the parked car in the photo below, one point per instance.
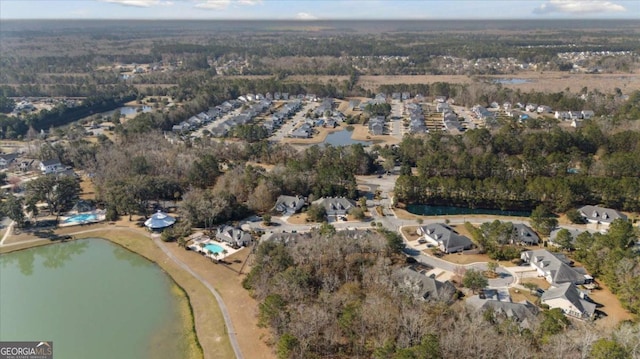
(422, 241)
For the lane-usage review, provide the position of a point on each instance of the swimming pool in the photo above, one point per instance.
(214, 248)
(82, 218)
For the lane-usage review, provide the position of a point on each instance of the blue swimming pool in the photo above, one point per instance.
(214, 248)
(82, 218)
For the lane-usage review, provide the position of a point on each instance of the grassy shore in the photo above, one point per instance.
(202, 322)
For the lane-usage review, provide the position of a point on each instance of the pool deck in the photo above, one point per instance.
(99, 217)
(199, 241)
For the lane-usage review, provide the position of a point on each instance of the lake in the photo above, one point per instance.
(343, 138)
(92, 298)
(427, 210)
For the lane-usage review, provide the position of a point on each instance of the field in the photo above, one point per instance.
(536, 81)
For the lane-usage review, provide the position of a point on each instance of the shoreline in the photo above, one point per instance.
(204, 328)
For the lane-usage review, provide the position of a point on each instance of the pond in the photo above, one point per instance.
(343, 138)
(128, 110)
(514, 81)
(92, 298)
(427, 210)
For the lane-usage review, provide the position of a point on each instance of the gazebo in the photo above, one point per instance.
(159, 221)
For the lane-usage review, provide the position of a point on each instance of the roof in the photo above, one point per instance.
(525, 234)
(556, 266)
(289, 203)
(159, 220)
(51, 162)
(333, 204)
(422, 286)
(600, 214)
(522, 312)
(570, 292)
(445, 235)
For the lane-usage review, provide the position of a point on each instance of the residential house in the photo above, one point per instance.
(440, 99)
(335, 206)
(450, 121)
(507, 106)
(51, 166)
(531, 107)
(288, 205)
(600, 215)
(354, 104)
(422, 286)
(575, 115)
(555, 267)
(7, 159)
(304, 131)
(233, 236)
(522, 313)
(562, 115)
(570, 300)
(442, 107)
(572, 231)
(543, 109)
(524, 235)
(376, 125)
(587, 114)
(445, 238)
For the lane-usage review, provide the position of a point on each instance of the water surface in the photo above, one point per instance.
(93, 299)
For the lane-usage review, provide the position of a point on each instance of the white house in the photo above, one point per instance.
(51, 166)
(587, 114)
(600, 215)
(555, 267)
(570, 300)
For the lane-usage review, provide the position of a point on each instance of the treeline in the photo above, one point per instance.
(333, 295)
(212, 179)
(611, 258)
(516, 169)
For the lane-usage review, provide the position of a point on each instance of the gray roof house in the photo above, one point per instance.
(570, 300)
(376, 125)
(422, 286)
(233, 236)
(522, 313)
(443, 236)
(525, 235)
(7, 158)
(600, 215)
(288, 205)
(335, 206)
(555, 267)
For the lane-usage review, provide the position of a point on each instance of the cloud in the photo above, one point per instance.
(249, 2)
(223, 4)
(213, 4)
(578, 7)
(305, 16)
(140, 3)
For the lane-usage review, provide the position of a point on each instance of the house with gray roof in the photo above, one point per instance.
(376, 125)
(335, 206)
(524, 235)
(570, 300)
(288, 205)
(600, 215)
(556, 268)
(7, 158)
(51, 166)
(235, 237)
(445, 238)
(422, 286)
(522, 313)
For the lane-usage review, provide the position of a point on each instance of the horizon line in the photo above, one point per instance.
(321, 20)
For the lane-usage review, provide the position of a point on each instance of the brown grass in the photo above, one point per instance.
(612, 307)
(298, 218)
(539, 81)
(460, 258)
(540, 282)
(519, 295)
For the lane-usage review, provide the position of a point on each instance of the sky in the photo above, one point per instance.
(319, 9)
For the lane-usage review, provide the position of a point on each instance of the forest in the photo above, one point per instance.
(334, 296)
(519, 168)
